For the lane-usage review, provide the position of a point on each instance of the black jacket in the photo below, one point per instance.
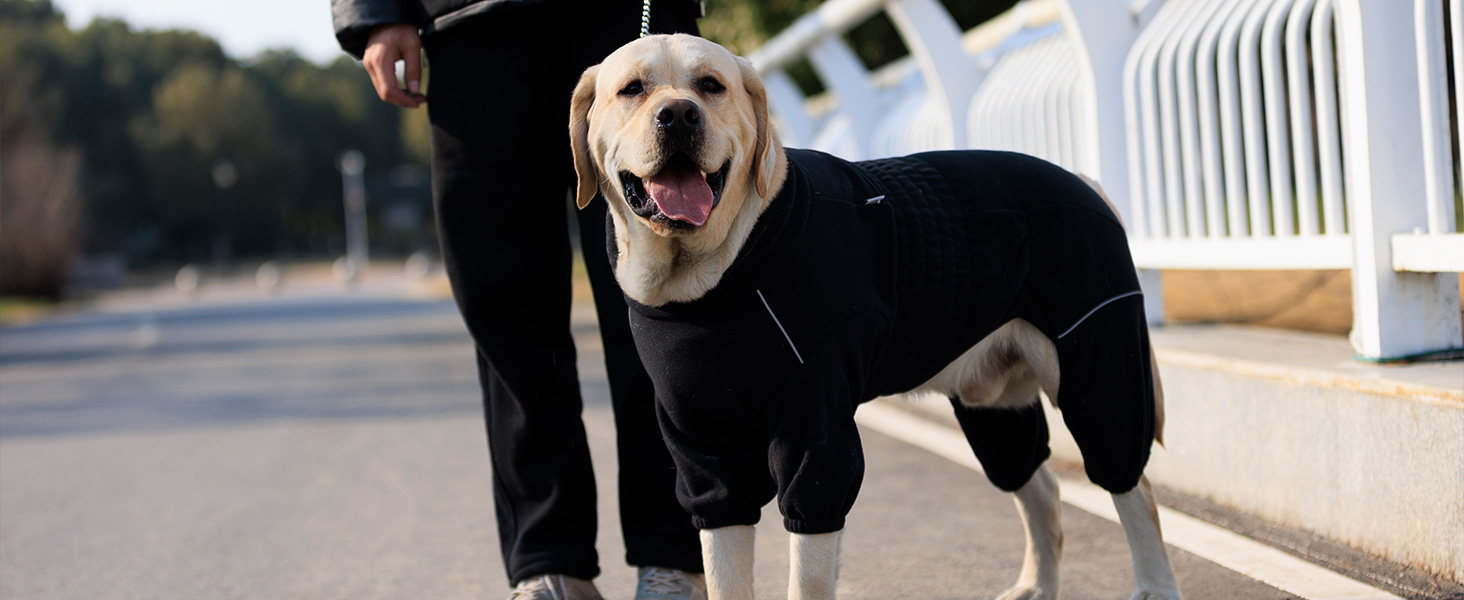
(354, 19)
(861, 280)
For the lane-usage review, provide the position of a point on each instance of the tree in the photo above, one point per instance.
(40, 204)
(201, 116)
(40, 216)
(138, 119)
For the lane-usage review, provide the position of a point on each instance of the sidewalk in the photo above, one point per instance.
(320, 444)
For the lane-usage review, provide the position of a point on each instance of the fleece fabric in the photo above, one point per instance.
(866, 279)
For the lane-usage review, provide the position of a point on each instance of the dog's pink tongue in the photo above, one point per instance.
(681, 194)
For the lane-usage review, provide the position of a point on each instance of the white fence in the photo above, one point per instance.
(1233, 134)
(1234, 137)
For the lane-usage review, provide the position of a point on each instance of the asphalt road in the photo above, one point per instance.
(330, 445)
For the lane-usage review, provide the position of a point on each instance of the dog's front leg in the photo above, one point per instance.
(1041, 510)
(727, 555)
(814, 565)
(1153, 577)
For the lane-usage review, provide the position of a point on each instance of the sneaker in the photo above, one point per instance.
(555, 587)
(660, 583)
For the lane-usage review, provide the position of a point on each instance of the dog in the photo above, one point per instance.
(773, 290)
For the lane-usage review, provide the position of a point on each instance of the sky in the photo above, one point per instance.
(243, 28)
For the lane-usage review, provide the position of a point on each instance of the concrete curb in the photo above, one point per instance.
(1287, 427)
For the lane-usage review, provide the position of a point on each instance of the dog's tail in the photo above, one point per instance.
(1153, 363)
(1158, 399)
(1092, 183)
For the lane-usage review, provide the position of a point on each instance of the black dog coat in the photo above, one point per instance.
(866, 279)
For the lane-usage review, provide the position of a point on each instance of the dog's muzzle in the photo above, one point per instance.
(679, 193)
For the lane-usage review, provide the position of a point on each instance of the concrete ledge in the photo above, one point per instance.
(1288, 427)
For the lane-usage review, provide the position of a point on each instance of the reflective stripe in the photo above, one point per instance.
(1095, 309)
(780, 326)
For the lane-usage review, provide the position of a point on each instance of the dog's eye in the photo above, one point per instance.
(633, 88)
(710, 85)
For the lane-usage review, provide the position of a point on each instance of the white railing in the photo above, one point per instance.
(1439, 246)
(1232, 134)
(1031, 102)
(1234, 137)
(920, 103)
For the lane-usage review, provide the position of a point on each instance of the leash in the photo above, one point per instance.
(646, 16)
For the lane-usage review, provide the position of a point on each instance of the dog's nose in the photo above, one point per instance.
(676, 114)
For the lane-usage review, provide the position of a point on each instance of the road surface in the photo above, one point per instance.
(330, 445)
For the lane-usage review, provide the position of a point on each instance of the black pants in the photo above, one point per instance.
(499, 105)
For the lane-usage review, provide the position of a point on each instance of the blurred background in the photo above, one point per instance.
(139, 137)
(129, 149)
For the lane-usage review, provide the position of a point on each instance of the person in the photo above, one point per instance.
(502, 74)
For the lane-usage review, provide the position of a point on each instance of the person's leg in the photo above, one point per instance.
(498, 147)
(657, 530)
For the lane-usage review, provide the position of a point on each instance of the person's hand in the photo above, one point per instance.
(388, 44)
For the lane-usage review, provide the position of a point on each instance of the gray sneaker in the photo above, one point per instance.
(660, 583)
(555, 587)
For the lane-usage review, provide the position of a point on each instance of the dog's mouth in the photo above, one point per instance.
(679, 194)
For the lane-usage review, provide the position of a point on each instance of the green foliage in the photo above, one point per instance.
(21, 12)
(743, 25)
(141, 117)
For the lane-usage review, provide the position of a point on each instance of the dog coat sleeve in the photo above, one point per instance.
(722, 477)
(750, 409)
(816, 457)
(735, 446)
(715, 373)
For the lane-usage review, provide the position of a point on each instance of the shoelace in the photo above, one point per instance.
(531, 588)
(669, 581)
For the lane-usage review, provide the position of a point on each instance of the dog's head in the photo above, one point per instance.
(674, 130)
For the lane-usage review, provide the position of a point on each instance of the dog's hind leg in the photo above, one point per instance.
(727, 555)
(1153, 577)
(1041, 511)
(814, 565)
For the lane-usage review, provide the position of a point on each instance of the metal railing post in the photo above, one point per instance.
(843, 71)
(951, 75)
(786, 102)
(1395, 314)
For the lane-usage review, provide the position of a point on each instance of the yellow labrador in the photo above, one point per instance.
(757, 275)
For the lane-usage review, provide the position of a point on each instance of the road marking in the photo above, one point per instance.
(1220, 546)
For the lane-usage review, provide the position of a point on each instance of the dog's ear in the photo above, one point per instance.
(579, 137)
(764, 157)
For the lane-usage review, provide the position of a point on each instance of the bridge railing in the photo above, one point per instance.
(1234, 137)
(1438, 247)
(1232, 134)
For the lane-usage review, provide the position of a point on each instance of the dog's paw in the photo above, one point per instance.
(1023, 592)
